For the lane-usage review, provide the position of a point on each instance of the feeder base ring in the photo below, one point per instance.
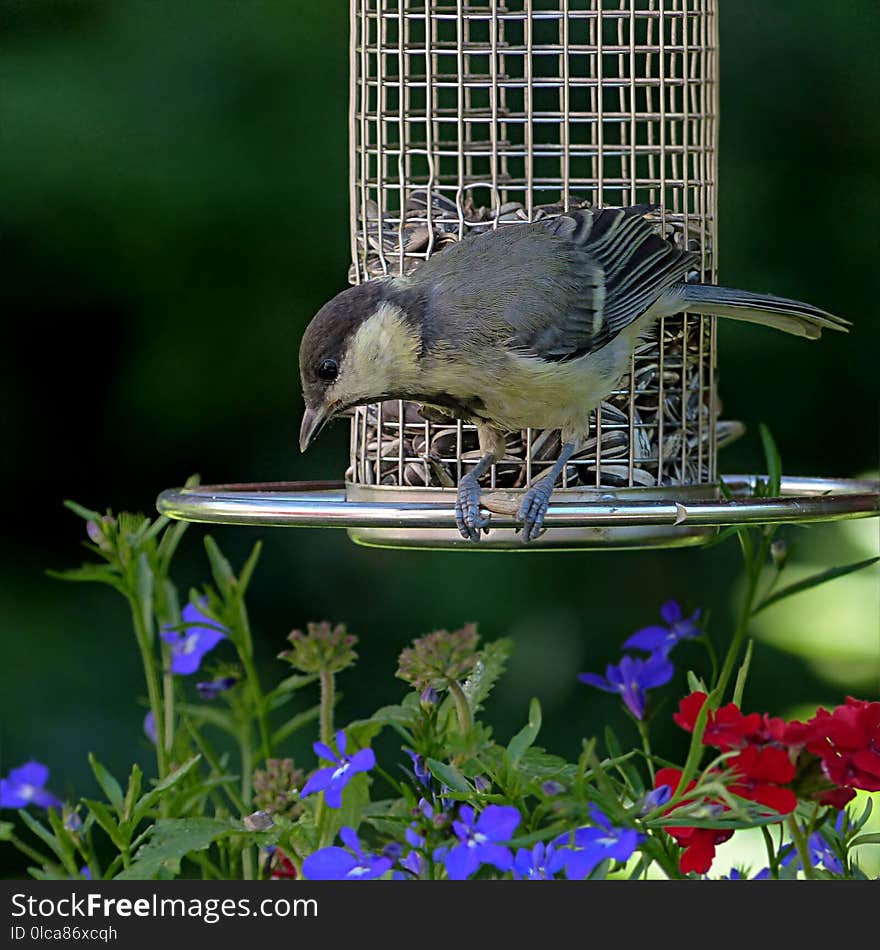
(578, 519)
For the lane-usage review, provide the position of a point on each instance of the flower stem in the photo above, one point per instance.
(646, 747)
(328, 700)
(462, 706)
(800, 842)
(244, 742)
(143, 638)
(27, 850)
(247, 658)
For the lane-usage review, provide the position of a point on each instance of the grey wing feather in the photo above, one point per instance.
(556, 289)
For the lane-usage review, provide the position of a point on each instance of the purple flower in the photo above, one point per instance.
(737, 875)
(26, 785)
(479, 841)
(654, 799)
(213, 688)
(657, 639)
(337, 864)
(820, 855)
(542, 863)
(632, 678)
(593, 845)
(420, 768)
(150, 727)
(189, 645)
(85, 873)
(331, 781)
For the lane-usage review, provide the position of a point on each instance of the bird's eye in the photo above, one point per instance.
(328, 370)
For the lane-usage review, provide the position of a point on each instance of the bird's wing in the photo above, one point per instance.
(556, 289)
(623, 265)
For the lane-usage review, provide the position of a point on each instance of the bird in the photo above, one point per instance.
(529, 325)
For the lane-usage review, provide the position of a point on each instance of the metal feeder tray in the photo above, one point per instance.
(577, 519)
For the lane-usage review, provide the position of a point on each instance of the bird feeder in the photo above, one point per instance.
(469, 115)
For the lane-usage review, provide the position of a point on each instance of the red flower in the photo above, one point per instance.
(282, 867)
(727, 728)
(848, 742)
(761, 771)
(698, 843)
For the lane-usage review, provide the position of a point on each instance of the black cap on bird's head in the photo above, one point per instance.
(340, 356)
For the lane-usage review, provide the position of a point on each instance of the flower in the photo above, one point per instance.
(437, 658)
(258, 821)
(188, 646)
(657, 639)
(760, 772)
(213, 688)
(593, 845)
(339, 864)
(281, 868)
(660, 796)
(847, 740)
(26, 785)
(698, 843)
(322, 649)
(420, 768)
(632, 678)
(150, 727)
(479, 841)
(821, 855)
(276, 787)
(737, 875)
(542, 863)
(331, 781)
(726, 728)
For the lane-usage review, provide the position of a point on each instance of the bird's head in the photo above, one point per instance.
(361, 347)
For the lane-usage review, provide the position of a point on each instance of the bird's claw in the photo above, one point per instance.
(534, 508)
(467, 509)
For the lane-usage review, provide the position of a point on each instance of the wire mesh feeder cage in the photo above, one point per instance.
(466, 116)
(470, 116)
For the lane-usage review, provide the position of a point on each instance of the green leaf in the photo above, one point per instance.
(150, 799)
(91, 574)
(695, 684)
(244, 577)
(85, 513)
(220, 567)
(171, 839)
(492, 661)
(525, 738)
(168, 545)
(106, 820)
(774, 462)
(742, 674)
(133, 792)
(865, 839)
(294, 724)
(814, 580)
(42, 832)
(449, 775)
(111, 788)
(7, 829)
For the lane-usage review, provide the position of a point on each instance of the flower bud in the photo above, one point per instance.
(322, 649)
(258, 821)
(439, 657)
(430, 697)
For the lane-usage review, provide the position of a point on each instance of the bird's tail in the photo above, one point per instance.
(790, 316)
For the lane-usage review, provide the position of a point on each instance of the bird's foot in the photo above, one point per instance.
(534, 508)
(467, 509)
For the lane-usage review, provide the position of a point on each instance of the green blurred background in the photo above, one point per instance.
(173, 179)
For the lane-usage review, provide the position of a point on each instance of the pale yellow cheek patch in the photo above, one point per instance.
(382, 356)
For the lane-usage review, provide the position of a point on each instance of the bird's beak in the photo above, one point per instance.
(313, 421)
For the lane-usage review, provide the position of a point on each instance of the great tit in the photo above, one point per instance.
(525, 326)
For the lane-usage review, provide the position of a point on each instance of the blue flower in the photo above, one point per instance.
(331, 781)
(654, 799)
(632, 678)
(339, 864)
(420, 768)
(150, 727)
(213, 688)
(821, 854)
(479, 841)
(657, 639)
(737, 875)
(189, 645)
(26, 785)
(593, 845)
(542, 863)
